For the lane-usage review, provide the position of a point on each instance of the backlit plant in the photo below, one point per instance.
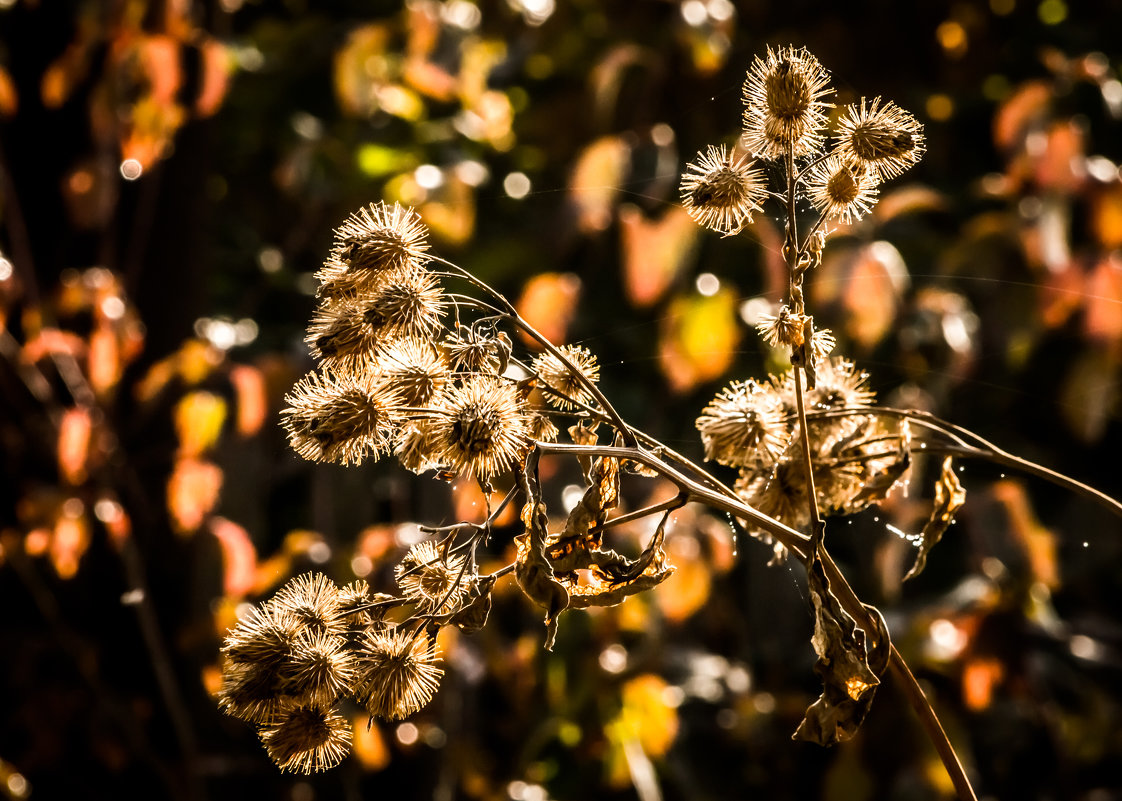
(421, 361)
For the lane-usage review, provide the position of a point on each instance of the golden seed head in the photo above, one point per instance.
(743, 425)
(570, 384)
(435, 583)
(342, 418)
(839, 385)
(480, 425)
(785, 110)
(307, 739)
(370, 246)
(414, 369)
(398, 673)
(320, 670)
(777, 489)
(410, 306)
(312, 599)
(843, 190)
(475, 351)
(884, 139)
(723, 190)
(783, 329)
(416, 448)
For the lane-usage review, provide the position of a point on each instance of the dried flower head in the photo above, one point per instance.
(476, 349)
(342, 418)
(398, 673)
(435, 582)
(415, 448)
(778, 489)
(842, 190)
(885, 139)
(782, 329)
(570, 384)
(785, 111)
(341, 338)
(374, 242)
(414, 368)
(320, 670)
(307, 739)
(480, 425)
(839, 385)
(312, 599)
(743, 425)
(254, 655)
(722, 190)
(409, 306)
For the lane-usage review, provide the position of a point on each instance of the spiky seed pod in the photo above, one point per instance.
(474, 351)
(342, 418)
(409, 306)
(320, 670)
(885, 139)
(265, 634)
(435, 583)
(481, 426)
(777, 489)
(342, 339)
(416, 448)
(542, 428)
(842, 190)
(784, 329)
(313, 600)
(570, 385)
(254, 655)
(398, 673)
(743, 425)
(371, 246)
(839, 385)
(307, 739)
(722, 190)
(785, 110)
(414, 368)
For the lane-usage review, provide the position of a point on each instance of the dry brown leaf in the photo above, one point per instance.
(949, 498)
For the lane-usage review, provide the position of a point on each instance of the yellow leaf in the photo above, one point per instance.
(699, 339)
(198, 422)
(369, 744)
(644, 720)
(595, 182)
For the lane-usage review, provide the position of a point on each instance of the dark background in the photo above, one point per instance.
(1008, 229)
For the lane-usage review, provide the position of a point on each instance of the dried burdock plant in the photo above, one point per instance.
(416, 359)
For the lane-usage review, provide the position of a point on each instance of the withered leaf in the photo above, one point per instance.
(949, 498)
(473, 616)
(849, 664)
(532, 569)
(601, 495)
(612, 577)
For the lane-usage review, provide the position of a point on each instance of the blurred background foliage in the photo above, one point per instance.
(170, 175)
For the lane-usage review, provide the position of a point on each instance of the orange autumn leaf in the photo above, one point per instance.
(252, 403)
(194, 361)
(1107, 215)
(69, 541)
(53, 342)
(1102, 318)
(654, 251)
(450, 214)
(9, 99)
(468, 501)
(980, 677)
(594, 185)
(1037, 542)
(199, 417)
(369, 744)
(1019, 112)
(645, 727)
(548, 303)
(74, 431)
(215, 77)
(374, 542)
(192, 493)
(698, 339)
(239, 557)
(104, 359)
(685, 592)
(360, 65)
(874, 284)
